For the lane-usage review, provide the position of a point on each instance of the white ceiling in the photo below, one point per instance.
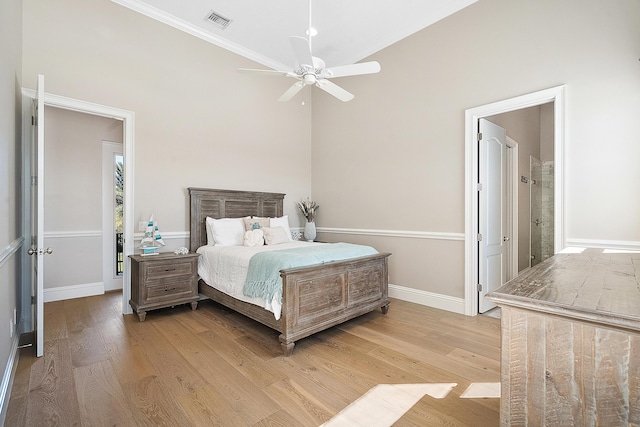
(348, 30)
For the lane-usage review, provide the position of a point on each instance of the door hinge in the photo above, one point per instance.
(479, 287)
(33, 120)
(34, 180)
(479, 186)
(479, 237)
(479, 136)
(33, 299)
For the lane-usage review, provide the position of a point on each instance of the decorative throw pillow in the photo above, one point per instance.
(275, 235)
(254, 237)
(255, 223)
(283, 222)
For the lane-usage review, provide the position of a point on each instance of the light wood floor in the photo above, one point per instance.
(213, 366)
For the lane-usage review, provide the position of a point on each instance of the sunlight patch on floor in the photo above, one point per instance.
(481, 390)
(384, 404)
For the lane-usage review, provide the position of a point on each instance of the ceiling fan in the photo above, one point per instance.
(310, 70)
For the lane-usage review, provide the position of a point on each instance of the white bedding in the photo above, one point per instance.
(225, 269)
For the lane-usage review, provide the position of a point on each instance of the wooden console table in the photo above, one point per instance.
(571, 341)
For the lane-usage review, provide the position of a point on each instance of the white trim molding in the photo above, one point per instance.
(429, 299)
(171, 235)
(128, 124)
(627, 245)
(73, 291)
(165, 18)
(435, 235)
(556, 95)
(72, 234)
(9, 375)
(13, 247)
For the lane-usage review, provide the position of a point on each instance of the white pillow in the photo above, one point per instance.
(208, 225)
(275, 235)
(283, 222)
(225, 231)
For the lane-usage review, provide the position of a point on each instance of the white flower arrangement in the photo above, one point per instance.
(308, 209)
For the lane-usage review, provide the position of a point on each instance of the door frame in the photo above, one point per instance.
(556, 95)
(128, 142)
(512, 207)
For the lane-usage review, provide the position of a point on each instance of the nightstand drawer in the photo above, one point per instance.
(167, 270)
(168, 289)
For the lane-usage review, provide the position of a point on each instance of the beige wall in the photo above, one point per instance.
(73, 195)
(10, 178)
(197, 121)
(393, 159)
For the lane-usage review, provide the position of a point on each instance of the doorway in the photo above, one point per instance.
(472, 116)
(128, 125)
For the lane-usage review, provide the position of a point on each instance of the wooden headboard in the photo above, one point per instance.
(213, 203)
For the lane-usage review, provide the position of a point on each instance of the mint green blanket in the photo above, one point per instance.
(263, 276)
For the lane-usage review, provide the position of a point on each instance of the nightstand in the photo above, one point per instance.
(163, 280)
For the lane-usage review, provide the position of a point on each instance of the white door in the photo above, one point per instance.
(491, 210)
(37, 216)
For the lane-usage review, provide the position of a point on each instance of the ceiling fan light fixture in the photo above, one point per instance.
(309, 79)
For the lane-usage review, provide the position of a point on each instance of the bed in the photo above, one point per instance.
(315, 297)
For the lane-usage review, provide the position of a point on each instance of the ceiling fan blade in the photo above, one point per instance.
(302, 50)
(290, 93)
(352, 70)
(334, 90)
(267, 72)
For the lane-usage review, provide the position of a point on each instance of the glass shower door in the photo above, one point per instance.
(542, 210)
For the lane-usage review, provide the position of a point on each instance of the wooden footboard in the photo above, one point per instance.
(318, 297)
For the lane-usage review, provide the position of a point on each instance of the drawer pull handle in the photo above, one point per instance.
(169, 290)
(170, 269)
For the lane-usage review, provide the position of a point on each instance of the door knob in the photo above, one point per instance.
(32, 251)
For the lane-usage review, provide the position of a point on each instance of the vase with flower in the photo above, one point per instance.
(308, 209)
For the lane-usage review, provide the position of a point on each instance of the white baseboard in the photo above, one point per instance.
(604, 244)
(7, 378)
(73, 291)
(430, 299)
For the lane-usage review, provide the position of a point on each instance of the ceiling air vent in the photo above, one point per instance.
(218, 19)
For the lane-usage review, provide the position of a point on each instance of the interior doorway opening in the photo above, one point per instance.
(555, 96)
(128, 129)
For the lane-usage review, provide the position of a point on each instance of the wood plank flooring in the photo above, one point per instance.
(213, 366)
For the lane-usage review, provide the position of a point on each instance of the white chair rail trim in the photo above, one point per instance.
(166, 236)
(6, 253)
(72, 234)
(433, 235)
